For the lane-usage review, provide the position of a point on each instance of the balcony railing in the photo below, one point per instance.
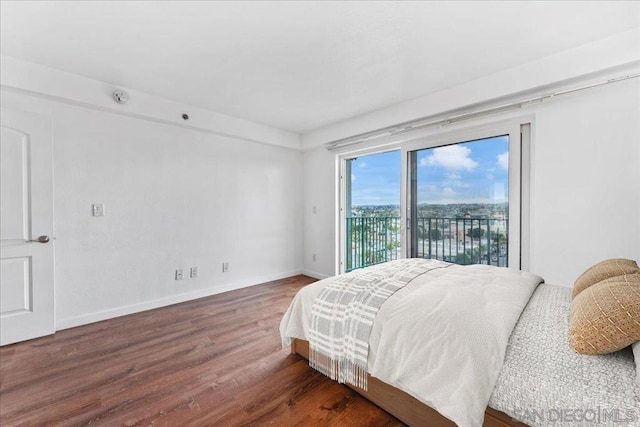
(373, 240)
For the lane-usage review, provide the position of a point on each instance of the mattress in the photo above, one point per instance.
(543, 381)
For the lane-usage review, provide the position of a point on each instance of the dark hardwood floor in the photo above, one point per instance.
(213, 361)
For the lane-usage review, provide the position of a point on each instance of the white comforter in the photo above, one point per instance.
(442, 338)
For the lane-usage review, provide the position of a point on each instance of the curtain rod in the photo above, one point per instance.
(426, 122)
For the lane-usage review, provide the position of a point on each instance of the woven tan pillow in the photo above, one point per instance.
(605, 317)
(604, 270)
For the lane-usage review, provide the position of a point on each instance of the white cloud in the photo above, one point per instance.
(353, 177)
(503, 160)
(452, 157)
(448, 191)
(453, 176)
(362, 165)
(455, 182)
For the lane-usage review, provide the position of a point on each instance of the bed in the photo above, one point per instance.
(539, 379)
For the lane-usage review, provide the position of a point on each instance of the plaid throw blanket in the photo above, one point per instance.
(342, 316)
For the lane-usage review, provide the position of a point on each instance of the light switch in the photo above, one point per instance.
(98, 209)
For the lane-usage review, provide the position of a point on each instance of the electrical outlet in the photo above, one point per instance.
(179, 274)
(194, 272)
(225, 267)
(97, 209)
(313, 257)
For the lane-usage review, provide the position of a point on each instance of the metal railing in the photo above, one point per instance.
(472, 240)
(469, 240)
(371, 240)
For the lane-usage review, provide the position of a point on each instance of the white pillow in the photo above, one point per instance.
(636, 355)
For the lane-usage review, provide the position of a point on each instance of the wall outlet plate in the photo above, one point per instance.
(225, 267)
(97, 209)
(179, 274)
(193, 273)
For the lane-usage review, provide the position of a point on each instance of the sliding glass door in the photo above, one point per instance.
(464, 201)
(460, 198)
(371, 213)
(460, 212)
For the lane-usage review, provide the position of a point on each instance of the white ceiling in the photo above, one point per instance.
(299, 66)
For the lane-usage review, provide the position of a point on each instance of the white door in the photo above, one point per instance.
(26, 213)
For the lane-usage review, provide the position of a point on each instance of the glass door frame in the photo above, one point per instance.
(518, 128)
(344, 202)
(519, 157)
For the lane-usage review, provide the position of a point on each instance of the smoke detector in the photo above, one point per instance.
(120, 96)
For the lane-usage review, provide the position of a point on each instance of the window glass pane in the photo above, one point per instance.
(461, 211)
(372, 228)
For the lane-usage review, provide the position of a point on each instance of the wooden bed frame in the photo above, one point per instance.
(405, 407)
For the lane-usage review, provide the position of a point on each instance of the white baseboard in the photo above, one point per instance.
(170, 300)
(315, 274)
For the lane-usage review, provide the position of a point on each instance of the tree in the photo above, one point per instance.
(435, 234)
(498, 237)
(464, 258)
(475, 233)
(499, 243)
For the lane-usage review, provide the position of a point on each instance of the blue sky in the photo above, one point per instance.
(470, 172)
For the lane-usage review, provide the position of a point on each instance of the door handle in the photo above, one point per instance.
(41, 239)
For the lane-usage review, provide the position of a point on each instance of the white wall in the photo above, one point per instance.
(586, 181)
(174, 198)
(585, 200)
(320, 191)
